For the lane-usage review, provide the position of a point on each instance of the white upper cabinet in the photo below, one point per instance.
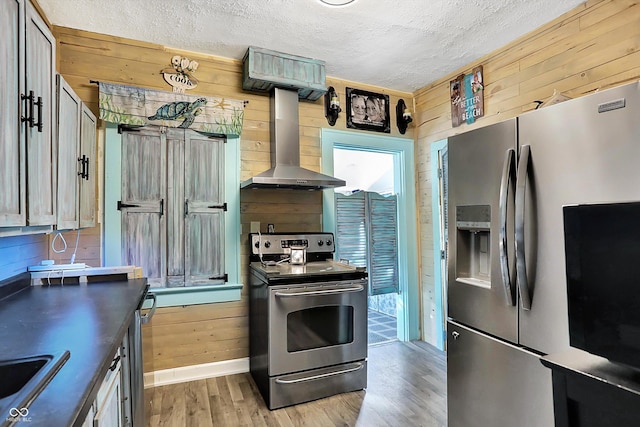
(88, 181)
(69, 160)
(28, 117)
(76, 190)
(12, 172)
(39, 103)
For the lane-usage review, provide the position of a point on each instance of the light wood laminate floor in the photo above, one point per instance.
(406, 387)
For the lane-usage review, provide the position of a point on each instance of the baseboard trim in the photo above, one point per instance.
(196, 372)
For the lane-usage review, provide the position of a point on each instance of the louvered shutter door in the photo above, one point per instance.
(382, 222)
(367, 236)
(351, 233)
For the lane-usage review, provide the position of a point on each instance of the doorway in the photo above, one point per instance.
(400, 151)
(439, 208)
(366, 220)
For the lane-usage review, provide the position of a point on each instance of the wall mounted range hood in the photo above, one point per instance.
(285, 169)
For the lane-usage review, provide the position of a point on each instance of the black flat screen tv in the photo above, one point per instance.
(602, 252)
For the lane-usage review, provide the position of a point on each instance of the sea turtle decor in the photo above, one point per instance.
(140, 106)
(180, 110)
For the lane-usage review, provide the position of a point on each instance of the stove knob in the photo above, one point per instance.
(267, 244)
(329, 242)
(320, 242)
(257, 245)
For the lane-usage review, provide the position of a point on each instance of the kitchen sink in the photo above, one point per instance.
(16, 374)
(24, 378)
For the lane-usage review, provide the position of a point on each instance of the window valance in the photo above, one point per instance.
(139, 106)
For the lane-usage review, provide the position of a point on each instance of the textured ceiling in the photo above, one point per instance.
(402, 45)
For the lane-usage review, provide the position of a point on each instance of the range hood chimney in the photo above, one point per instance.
(285, 169)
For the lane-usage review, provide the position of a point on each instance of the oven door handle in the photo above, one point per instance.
(319, 376)
(323, 292)
(146, 318)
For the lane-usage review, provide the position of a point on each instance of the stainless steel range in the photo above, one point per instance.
(308, 319)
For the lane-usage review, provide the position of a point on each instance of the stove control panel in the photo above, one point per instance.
(274, 244)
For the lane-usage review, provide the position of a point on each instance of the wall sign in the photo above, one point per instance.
(180, 74)
(467, 97)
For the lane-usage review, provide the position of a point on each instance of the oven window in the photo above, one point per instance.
(319, 327)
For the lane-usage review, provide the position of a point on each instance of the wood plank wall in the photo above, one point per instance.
(19, 252)
(594, 46)
(88, 250)
(182, 336)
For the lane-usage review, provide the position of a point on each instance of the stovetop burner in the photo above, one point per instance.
(270, 258)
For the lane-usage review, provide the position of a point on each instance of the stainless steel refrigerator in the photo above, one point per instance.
(507, 302)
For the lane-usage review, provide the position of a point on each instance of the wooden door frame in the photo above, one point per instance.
(439, 273)
(408, 306)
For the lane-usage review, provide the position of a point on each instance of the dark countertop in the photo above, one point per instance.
(87, 320)
(575, 361)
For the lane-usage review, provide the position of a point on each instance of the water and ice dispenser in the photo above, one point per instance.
(473, 245)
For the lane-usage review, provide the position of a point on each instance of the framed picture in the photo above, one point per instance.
(367, 110)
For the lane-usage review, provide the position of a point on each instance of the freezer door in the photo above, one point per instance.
(581, 151)
(477, 293)
(492, 383)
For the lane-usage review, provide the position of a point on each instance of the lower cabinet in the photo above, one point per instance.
(107, 409)
(108, 406)
(119, 399)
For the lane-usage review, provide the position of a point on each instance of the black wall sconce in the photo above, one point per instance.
(331, 106)
(403, 116)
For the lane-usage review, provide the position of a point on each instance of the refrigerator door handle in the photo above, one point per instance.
(521, 262)
(507, 172)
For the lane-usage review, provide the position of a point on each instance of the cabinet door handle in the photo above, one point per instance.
(86, 167)
(81, 161)
(84, 164)
(186, 207)
(29, 99)
(39, 123)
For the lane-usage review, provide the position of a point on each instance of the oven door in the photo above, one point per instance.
(317, 325)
